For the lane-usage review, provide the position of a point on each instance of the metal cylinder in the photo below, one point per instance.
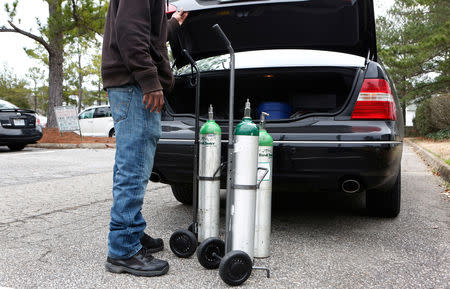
(264, 204)
(244, 194)
(244, 185)
(209, 180)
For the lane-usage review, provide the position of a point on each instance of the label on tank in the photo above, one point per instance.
(265, 152)
(209, 139)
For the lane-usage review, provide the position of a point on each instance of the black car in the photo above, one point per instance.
(341, 128)
(18, 127)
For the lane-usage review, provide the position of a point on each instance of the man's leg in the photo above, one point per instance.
(137, 132)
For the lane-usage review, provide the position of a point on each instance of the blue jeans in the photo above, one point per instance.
(137, 132)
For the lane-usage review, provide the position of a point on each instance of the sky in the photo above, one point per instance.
(12, 44)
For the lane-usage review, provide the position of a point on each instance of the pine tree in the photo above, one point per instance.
(67, 20)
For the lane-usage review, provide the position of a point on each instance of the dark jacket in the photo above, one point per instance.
(134, 45)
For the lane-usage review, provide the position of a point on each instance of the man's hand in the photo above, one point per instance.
(154, 100)
(180, 16)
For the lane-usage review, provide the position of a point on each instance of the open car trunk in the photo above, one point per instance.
(300, 91)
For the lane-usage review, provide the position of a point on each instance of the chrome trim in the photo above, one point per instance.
(298, 141)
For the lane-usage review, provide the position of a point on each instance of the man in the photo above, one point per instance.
(136, 73)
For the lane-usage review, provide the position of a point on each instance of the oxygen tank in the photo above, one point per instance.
(264, 192)
(209, 179)
(244, 184)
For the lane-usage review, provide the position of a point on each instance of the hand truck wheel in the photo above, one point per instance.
(210, 252)
(183, 243)
(235, 268)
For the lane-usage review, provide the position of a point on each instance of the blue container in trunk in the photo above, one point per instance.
(276, 110)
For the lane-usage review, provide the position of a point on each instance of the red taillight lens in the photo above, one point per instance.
(375, 101)
(170, 9)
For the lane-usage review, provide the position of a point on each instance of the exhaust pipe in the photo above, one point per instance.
(155, 177)
(351, 186)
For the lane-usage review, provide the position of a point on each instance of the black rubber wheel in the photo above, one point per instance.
(183, 193)
(385, 204)
(16, 147)
(112, 133)
(235, 268)
(205, 252)
(183, 243)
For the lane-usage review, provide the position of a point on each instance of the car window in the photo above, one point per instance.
(102, 112)
(213, 63)
(87, 114)
(6, 105)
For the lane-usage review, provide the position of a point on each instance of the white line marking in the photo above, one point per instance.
(28, 153)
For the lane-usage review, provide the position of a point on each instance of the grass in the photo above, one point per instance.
(439, 148)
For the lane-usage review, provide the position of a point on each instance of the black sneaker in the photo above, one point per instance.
(152, 245)
(141, 264)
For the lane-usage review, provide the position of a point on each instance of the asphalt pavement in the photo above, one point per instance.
(54, 214)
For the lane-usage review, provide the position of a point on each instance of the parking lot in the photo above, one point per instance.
(54, 214)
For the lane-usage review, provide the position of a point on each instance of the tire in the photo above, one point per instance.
(16, 147)
(235, 268)
(183, 243)
(112, 133)
(183, 193)
(385, 204)
(205, 251)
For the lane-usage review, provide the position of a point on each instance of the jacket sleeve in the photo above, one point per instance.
(132, 28)
(172, 28)
(172, 37)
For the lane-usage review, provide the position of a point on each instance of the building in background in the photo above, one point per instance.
(410, 114)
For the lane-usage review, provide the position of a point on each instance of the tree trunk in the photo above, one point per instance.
(80, 83)
(55, 86)
(56, 77)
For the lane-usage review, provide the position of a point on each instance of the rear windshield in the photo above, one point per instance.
(7, 105)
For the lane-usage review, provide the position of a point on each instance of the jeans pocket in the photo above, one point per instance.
(119, 101)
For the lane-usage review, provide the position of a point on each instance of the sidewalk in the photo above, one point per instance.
(433, 161)
(74, 145)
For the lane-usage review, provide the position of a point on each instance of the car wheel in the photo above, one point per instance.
(16, 147)
(183, 193)
(112, 133)
(385, 203)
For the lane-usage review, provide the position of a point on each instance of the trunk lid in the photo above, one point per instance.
(346, 26)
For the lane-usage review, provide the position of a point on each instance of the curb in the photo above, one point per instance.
(436, 163)
(74, 146)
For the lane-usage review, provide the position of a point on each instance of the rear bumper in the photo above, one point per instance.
(303, 165)
(22, 136)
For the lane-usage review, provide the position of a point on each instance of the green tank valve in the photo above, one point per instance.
(210, 127)
(265, 139)
(247, 126)
(247, 110)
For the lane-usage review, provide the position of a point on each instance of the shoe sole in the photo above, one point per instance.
(122, 269)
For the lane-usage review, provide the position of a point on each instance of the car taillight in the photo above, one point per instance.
(375, 101)
(171, 9)
(38, 121)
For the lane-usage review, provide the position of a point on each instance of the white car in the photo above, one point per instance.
(42, 120)
(97, 121)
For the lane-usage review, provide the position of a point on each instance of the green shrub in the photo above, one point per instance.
(422, 121)
(440, 134)
(440, 111)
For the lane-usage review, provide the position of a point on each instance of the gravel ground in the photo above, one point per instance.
(54, 213)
